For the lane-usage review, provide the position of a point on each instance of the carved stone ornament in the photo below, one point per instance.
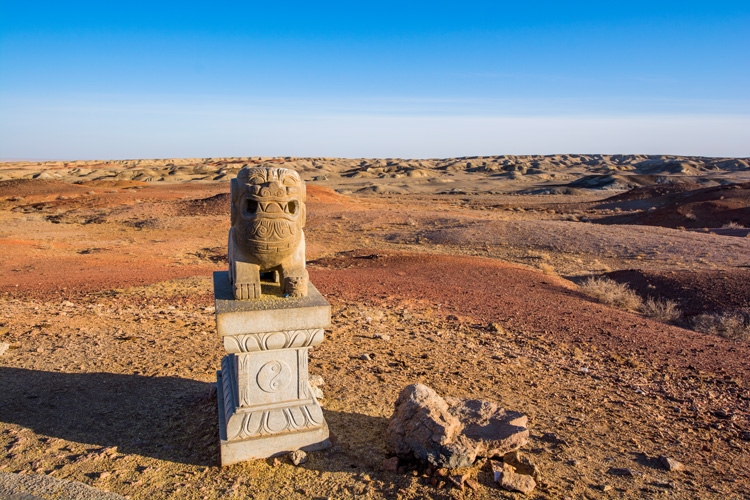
(268, 214)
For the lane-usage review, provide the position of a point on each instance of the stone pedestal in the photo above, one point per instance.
(266, 405)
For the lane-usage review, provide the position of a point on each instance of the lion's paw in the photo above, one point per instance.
(295, 286)
(247, 291)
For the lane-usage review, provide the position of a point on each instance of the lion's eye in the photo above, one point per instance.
(289, 181)
(255, 180)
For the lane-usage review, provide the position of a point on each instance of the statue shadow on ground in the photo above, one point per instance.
(167, 418)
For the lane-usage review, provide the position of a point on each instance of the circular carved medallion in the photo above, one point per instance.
(274, 376)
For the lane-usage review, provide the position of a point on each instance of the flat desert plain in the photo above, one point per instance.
(469, 275)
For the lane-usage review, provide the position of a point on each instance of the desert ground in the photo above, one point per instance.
(469, 275)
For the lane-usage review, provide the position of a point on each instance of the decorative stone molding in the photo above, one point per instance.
(253, 342)
(266, 404)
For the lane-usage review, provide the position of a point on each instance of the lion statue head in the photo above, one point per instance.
(268, 213)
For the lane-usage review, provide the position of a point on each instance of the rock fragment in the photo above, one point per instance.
(298, 457)
(3, 347)
(458, 481)
(506, 475)
(670, 464)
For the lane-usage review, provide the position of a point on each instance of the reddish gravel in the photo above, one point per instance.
(484, 290)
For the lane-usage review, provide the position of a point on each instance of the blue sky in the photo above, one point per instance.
(84, 80)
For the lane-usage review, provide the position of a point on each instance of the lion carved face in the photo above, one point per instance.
(268, 208)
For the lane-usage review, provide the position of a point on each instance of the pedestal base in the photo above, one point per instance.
(265, 446)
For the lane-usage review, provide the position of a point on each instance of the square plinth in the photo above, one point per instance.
(272, 312)
(240, 448)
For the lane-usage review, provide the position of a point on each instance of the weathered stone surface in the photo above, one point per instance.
(39, 486)
(451, 433)
(4, 347)
(422, 425)
(268, 214)
(492, 430)
(506, 475)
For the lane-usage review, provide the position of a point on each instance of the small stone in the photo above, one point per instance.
(298, 457)
(276, 462)
(318, 392)
(458, 481)
(316, 380)
(510, 480)
(606, 487)
(381, 336)
(441, 472)
(390, 464)
(3, 347)
(670, 464)
(67, 303)
(365, 357)
(104, 475)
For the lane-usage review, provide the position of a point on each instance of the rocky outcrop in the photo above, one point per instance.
(451, 432)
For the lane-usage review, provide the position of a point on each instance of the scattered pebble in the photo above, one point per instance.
(298, 457)
(3, 347)
(365, 357)
(670, 464)
(458, 481)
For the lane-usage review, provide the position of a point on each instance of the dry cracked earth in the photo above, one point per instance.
(462, 274)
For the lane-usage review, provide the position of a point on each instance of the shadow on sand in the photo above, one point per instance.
(167, 418)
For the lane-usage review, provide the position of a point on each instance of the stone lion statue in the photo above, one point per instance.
(268, 214)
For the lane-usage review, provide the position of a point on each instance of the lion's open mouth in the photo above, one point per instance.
(272, 208)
